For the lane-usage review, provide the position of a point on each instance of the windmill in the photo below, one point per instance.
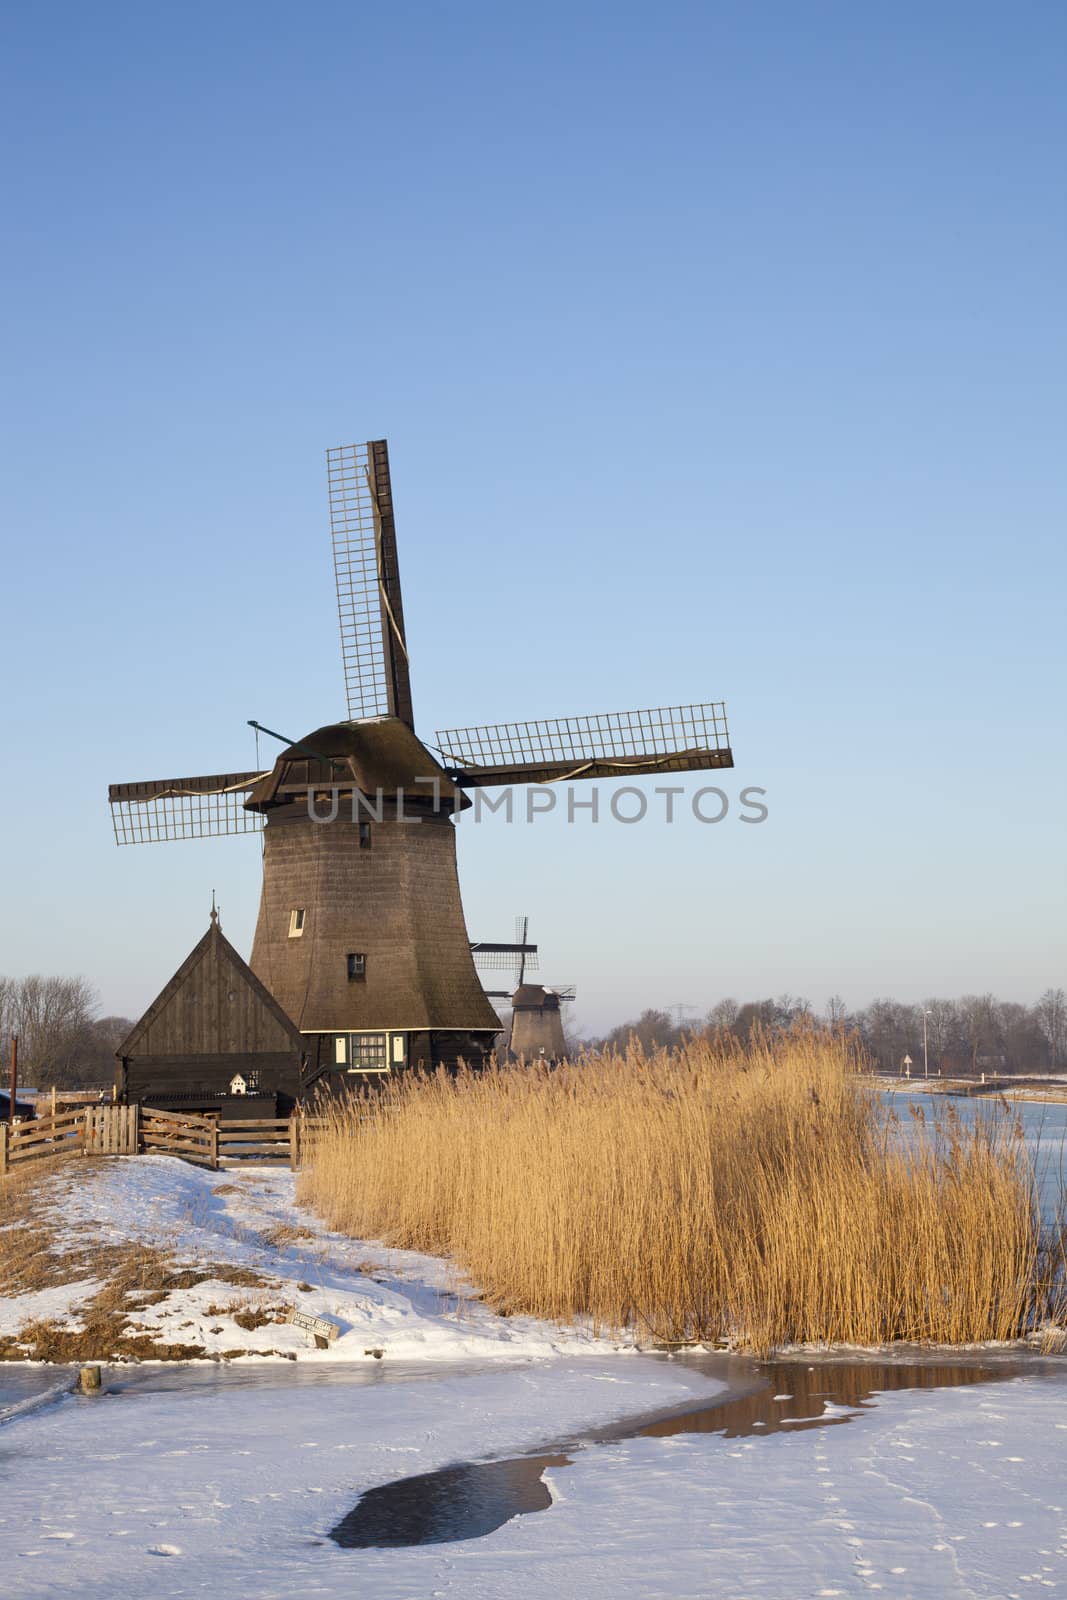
(536, 1031)
(360, 935)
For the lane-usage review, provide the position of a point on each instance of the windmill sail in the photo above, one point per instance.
(183, 808)
(503, 957)
(613, 744)
(369, 604)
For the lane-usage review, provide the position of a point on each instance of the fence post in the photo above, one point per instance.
(214, 1144)
(134, 1113)
(3, 1149)
(294, 1142)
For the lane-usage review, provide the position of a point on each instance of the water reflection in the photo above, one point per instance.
(462, 1502)
(469, 1500)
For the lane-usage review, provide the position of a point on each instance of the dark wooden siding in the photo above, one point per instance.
(213, 1020)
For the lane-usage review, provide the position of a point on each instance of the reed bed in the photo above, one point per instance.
(755, 1196)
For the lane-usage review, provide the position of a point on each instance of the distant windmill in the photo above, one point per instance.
(360, 936)
(536, 1030)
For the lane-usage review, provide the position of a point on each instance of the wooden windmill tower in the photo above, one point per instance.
(536, 1029)
(360, 936)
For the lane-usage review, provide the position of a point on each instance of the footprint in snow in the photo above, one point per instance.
(164, 1550)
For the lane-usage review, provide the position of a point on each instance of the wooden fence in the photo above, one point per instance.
(111, 1130)
(132, 1130)
(173, 1133)
(271, 1140)
(47, 1136)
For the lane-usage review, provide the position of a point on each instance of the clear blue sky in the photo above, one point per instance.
(721, 351)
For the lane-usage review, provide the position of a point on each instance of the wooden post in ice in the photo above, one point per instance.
(89, 1380)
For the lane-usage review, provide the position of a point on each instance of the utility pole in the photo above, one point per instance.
(926, 1054)
(14, 1079)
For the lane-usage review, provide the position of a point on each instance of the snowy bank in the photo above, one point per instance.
(262, 1256)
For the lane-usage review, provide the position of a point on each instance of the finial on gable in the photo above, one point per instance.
(214, 911)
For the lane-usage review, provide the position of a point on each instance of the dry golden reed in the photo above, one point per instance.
(753, 1195)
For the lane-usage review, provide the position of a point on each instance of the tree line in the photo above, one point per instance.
(63, 1040)
(969, 1035)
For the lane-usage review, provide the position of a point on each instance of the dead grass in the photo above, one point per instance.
(249, 1314)
(286, 1233)
(135, 1277)
(30, 1255)
(716, 1194)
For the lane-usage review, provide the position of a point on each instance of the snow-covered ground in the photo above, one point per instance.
(410, 1306)
(934, 1494)
(228, 1486)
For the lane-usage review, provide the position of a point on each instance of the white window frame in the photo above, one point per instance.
(297, 919)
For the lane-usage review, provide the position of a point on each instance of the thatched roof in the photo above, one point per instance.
(534, 997)
(376, 754)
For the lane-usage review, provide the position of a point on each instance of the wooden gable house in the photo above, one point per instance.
(214, 1040)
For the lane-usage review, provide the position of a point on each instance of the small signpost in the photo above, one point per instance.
(324, 1330)
(907, 1066)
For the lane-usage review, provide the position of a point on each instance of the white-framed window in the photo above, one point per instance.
(356, 966)
(367, 1053)
(296, 923)
(361, 1052)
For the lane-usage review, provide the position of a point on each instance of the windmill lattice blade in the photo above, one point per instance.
(369, 605)
(503, 957)
(183, 808)
(667, 739)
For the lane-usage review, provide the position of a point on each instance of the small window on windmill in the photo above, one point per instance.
(357, 967)
(364, 836)
(296, 924)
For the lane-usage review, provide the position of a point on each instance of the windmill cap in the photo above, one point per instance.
(378, 754)
(534, 997)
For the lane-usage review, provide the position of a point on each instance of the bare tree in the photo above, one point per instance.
(52, 1017)
(723, 1014)
(981, 1029)
(943, 1027)
(892, 1031)
(1020, 1032)
(1051, 1012)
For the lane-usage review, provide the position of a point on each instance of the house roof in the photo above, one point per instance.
(214, 943)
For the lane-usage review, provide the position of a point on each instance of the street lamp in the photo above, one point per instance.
(926, 1054)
